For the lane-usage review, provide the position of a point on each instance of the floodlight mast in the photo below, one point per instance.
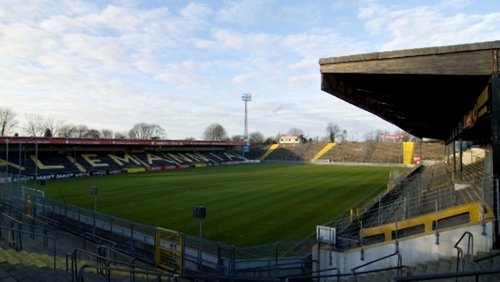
(246, 97)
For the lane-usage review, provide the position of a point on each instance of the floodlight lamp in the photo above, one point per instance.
(246, 97)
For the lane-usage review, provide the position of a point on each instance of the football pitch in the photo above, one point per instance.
(246, 204)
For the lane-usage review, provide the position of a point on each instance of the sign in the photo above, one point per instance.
(325, 234)
(479, 109)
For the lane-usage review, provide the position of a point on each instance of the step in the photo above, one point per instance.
(24, 257)
(445, 265)
(9, 258)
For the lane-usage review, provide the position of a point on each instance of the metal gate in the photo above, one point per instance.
(169, 249)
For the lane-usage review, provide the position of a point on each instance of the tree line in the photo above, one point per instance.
(40, 126)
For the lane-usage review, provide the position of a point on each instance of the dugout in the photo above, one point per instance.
(448, 93)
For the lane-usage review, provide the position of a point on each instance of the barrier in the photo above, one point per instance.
(169, 249)
(428, 221)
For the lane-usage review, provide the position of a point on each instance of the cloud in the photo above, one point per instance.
(423, 26)
(179, 63)
(305, 80)
(244, 12)
(244, 78)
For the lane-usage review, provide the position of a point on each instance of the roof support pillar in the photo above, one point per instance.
(495, 140)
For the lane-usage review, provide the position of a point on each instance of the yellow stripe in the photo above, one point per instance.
(323, 151)
(269, 151)
(473, 208)
(407, 152)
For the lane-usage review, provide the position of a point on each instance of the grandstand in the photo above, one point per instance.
(49, 158)
(440, 219)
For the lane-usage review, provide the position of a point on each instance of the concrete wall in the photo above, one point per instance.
(414, 250)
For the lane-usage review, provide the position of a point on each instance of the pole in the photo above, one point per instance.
(246, 122)
(19, 162)
(7, 157)
(495, 140)
(36, 165)
(246, 97)
(201, 245)
(93, 191)
(95, 210)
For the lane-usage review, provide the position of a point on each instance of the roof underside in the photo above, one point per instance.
(425, 92)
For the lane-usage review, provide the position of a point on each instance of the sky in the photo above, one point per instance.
(185, 64)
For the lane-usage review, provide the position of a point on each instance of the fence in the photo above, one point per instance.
(429, 191)
(214, 258)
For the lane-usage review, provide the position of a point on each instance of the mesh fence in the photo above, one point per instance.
(268, 260)
(429, 191)
(410, 193)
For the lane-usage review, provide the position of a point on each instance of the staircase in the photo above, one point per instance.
(269, 151)
(441, 266)
(26, 255)
(24, 266)
(323, 151)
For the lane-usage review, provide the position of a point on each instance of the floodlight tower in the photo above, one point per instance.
(246, 97)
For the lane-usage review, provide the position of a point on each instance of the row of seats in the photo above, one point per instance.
(54, 164)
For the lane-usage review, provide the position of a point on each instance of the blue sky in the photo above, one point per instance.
(185, 64)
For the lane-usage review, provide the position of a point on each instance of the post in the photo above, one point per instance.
(93, 191)
(7, 157)
(200, 213)
(36, 166)
(246, 97)
(200, 253)
(437, 222)
(362, 251)
(19, 161)
(495, 140)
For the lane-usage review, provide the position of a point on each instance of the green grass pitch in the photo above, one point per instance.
(246, 204)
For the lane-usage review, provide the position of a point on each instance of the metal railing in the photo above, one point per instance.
(398, 267)
(103, 266)
(438, 276)
(315, 273)
(131, 272)
(460, 252)
(45, 237)
(396, 207)
(220, 258)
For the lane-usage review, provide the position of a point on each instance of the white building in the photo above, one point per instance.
(289, 139)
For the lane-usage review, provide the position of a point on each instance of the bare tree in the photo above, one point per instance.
(270, 140)
(7, 120)
(67, 131)
(144, 130)
(375, 136)
(46, 124)
(92, 133)
(121, 135)
(344, 135)
(237, 138)
(215, 132)
(107, 133)
(333, 131)
(81, 131)
(33, 126)
(295, 132)
(256, 138)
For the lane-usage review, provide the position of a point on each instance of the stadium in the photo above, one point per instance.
(406, 211)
